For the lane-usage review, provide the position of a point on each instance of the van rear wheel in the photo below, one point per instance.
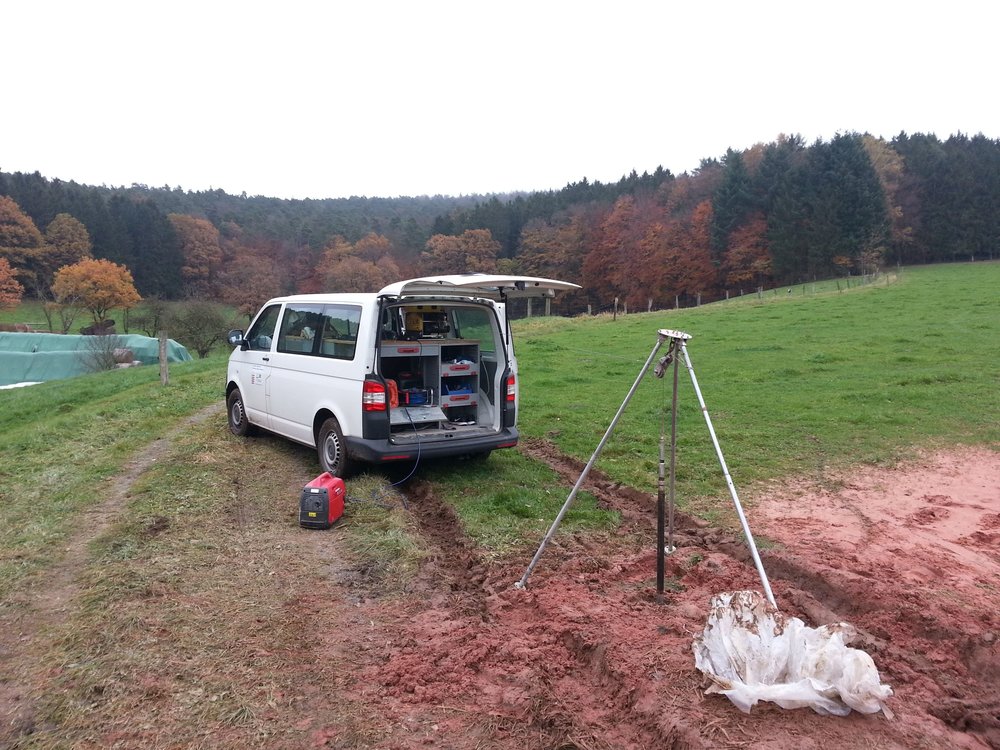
(332, 450)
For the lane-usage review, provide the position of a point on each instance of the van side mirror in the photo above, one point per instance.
(235, 338)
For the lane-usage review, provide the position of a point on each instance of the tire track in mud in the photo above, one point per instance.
(454, 560)
(481, 597)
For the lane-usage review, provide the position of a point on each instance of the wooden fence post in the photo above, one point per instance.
(164, 367)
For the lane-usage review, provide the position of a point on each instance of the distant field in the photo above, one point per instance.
(795, 383)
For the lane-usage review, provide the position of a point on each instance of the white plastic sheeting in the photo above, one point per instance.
(753, 653)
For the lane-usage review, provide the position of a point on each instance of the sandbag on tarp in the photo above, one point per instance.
(753, 653)
(40, 357)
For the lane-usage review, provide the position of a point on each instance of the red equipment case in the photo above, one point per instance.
(322, 502)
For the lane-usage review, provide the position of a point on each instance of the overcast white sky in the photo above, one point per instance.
(329, 99)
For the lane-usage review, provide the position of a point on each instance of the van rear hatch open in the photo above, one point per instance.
(485, 286)
(446, 358)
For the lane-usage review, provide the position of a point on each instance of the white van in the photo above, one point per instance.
(423, 368)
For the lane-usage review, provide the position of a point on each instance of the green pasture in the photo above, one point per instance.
(796, 384)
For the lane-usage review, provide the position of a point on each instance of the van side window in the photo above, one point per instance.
(339, 331)
(300, 328)
(475, 324)
(262, 331)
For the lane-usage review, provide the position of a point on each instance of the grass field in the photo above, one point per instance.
(795, 383)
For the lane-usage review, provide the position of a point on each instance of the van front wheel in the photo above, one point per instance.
(332, 450)
(239, 425)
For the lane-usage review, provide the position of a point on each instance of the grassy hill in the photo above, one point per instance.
(795, 383)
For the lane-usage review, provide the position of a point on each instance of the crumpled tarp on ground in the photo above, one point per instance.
(39, 357)
(753, 653)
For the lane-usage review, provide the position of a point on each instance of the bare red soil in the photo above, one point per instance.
(587, 658)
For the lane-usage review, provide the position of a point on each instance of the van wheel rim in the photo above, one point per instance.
(236, 413)
(331, 449)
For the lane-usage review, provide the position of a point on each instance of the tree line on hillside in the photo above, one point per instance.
(776, 213)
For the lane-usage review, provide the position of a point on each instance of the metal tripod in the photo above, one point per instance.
(677, 345)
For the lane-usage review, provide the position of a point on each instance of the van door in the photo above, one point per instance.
(314, 366)
(255, 366)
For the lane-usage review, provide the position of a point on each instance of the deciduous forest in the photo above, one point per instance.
(777, 213)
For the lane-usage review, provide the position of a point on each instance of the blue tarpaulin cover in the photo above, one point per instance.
(38, 357)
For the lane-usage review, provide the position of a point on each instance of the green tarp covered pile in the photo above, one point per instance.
(38, 357)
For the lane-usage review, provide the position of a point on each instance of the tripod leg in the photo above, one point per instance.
(729, 480)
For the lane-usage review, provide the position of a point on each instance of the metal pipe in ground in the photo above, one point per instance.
(665, 547)
(660, 502)
(729, 480)
(586, 470)
(673, 458)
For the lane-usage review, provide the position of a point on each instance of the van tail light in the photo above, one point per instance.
(373, 396)
(511, 387)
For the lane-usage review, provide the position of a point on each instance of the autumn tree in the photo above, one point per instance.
(250, 282)
(557, 249)
(99, 285)
(701, 268)
(66, 242)
(746, 259)
(202, 254)
(19, 238)
(603, 268)
(473, 251)
(10, 289)
(364, 266)
(677, 256)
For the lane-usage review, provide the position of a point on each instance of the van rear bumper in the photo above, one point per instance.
(380, 451)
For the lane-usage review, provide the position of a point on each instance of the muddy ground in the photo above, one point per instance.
(586, 657)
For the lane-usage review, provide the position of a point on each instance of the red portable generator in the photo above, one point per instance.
(322, 502)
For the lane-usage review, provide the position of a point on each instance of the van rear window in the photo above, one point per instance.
(320, 330)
